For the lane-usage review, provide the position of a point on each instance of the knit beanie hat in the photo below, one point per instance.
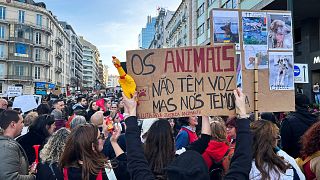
(188, 166)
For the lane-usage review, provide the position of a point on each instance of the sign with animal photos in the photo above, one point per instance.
(258, 31)
(187, 81)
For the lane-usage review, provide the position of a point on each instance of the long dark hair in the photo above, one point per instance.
(265, 135)
(159, 147)
(41, 123)
(311, 140)
(79, 148)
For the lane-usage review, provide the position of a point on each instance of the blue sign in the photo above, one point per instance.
(41, 84)
(51, 86)
(296, 70)
(41, 92)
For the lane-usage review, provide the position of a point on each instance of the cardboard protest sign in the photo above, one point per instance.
(184, 81)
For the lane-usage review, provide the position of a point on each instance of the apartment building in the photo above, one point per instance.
(76, 52)
(161, 34)
(90, 64)
(179, 26)
(34, 49)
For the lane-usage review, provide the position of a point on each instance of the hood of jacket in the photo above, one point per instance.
(216, 150)
(304, 115)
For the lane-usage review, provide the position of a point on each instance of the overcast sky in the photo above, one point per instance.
(112, 25)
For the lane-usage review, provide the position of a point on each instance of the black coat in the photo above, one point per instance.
(293, 127)
(240, 163)
(49, 172)
(28, 140)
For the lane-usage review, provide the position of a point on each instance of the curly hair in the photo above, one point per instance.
(311, 140)
(53, 149)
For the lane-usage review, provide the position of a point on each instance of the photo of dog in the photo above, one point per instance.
(226, 26)
(229, 37)
(283, 67)
(281, 71)
(280, 32)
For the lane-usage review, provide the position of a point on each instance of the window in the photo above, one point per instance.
(200, 10)
(20, 33)
(37, 72)
(39, 20)
(210, 2)
(37, 55)
(21, 16)
(38, 38)
(19, 70)
(208, 23)
(200, 30)
(2, 12)
(2, 32)
(230, 4)
(0, 87)
(1, 50)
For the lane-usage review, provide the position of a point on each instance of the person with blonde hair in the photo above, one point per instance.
(218, 153)
(48, 168)
(28, 120)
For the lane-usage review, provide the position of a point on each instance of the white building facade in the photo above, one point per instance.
(33, 48)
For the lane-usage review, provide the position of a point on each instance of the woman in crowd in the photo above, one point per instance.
(28, 120)
(187, 133)
(218, 153)
(92, 109)
(310, 153)
(269, 162)
(39, 131)
(48, 167)
(43, 108)
(82, 157)
(231, 130)
(189, 165)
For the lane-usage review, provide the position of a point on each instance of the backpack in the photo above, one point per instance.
(219, 169)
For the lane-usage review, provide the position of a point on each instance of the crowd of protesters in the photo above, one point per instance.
(100, 137)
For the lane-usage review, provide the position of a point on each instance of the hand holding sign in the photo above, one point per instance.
(130, 105)
(240, 102)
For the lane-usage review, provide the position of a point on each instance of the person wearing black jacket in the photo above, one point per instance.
(138, 166)
(295, 125)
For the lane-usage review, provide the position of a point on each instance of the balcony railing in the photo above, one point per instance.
(16, 57)
(58, 55)
(17, 77)
(28, 23)
(59, 41)
(24, 40)
(43, 45)
(42, 79)
(45, 62)
(58, 69)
